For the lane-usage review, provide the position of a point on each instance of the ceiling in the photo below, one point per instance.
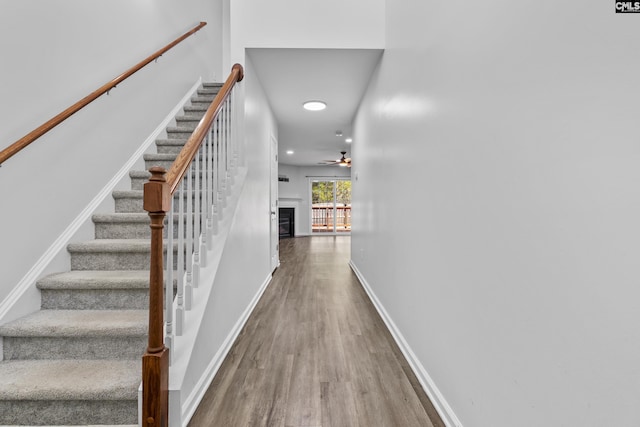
(339, 77)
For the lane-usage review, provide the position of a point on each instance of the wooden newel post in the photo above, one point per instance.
(155, 362)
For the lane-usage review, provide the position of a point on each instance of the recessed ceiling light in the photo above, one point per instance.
(348, 140)
(314, 105)
(289, 152)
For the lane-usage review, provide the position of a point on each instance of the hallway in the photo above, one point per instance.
(315, 353)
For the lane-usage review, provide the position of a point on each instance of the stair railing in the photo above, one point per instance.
(23, 142)
(191, 196)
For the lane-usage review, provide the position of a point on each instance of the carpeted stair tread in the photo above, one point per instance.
(124, 217)
(110, 245)
(160, 157)
(139, 178)
(78, 323)
(132, 200)
(175, 132)
(97, 290)
(196, 109)
(139, 174)
(134, 194)
(207, 93)
(113, 254)
(209, 90)
(69, 379)
(188, 125)
(204, 100)
(171, 142)
(96, 279)
(132, 225)
(126, 193)
(163, 156)
(88, 425)
(187, 119)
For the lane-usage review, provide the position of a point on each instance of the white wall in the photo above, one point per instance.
(295, 193)
(339, 24)
(509, 135)
(54, 54)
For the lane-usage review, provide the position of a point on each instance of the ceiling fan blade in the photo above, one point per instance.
(343, 161)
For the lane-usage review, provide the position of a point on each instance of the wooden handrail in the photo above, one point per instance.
(157, 201)
(183, 160)
(14, 148)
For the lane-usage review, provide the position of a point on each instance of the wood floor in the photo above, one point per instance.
(315, 353)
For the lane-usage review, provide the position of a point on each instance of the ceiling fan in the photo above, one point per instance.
(343, 161)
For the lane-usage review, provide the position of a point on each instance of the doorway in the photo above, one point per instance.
(274, 241)
(330, 206)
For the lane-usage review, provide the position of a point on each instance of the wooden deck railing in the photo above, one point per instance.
(198, 181)
(23, 142)
(322, 218)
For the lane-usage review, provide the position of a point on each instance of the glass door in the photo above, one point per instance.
(330, 206)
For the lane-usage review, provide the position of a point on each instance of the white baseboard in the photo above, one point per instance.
(59, 245)
(437, 399)
(206, 379)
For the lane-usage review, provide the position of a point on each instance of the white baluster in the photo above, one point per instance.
(168, 284)
(196, 229)
(232, 158)
(211, 219)
(234, 128)
(228, 144)
(234, 143)
(225, 161)
(181, 256)
(189, 247)
(204, 213)
(221, 166)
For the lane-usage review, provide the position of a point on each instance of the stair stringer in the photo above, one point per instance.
(25, 297)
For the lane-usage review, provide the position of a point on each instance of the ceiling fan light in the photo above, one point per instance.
(314, 105)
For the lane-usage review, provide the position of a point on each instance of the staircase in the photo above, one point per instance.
(77, 361)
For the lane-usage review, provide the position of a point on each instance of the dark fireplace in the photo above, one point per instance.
(287, 223)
